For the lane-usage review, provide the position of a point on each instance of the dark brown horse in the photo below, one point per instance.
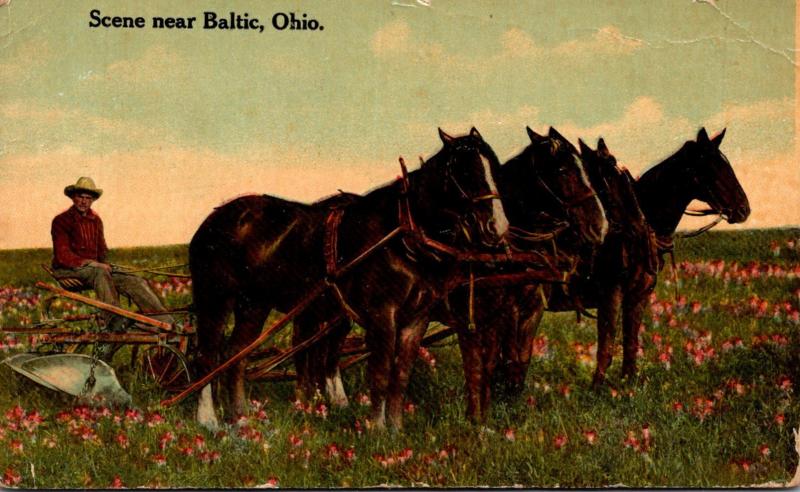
(544, 185)
(642, 215)
(260, 253)
(547, 177)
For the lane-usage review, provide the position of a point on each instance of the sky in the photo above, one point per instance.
(171, 123)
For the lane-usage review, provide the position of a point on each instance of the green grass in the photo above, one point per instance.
(749, 410)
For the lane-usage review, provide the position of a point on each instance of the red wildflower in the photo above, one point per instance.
(186, 451)
(780, 419)
(295, 441)
(631, 441)
(405, 455)
(764, 450)
(271, 483)
(590, 435)
(321, 410)
(116, 483)
(301, 406)
(15, 413)
(540, 347)
(63, 417)
(16, 446)
(510, 434)
(560, 441)
(155, 419)
(349, 454)
(363, 400)
(409, 408)
(32, 420)
(122, 440)
(165, 440)
(209, 456)
(199, 441)
(427, 357)
(11, 477)
(332, 450)
(159, 459)
(785, 383)
(133, 416)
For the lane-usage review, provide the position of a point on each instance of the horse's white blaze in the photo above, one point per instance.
(205, 409)
(585, 179)
(498, 214)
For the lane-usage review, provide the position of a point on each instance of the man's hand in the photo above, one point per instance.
(97, 264)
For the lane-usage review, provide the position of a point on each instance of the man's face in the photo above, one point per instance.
(83, 202)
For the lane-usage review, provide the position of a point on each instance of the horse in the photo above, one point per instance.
(259, 253)
(643, 215)
(547, 177)
(544, 184)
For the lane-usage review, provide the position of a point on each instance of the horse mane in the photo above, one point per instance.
(655, 172)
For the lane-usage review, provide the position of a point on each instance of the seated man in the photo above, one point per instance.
(79, 251)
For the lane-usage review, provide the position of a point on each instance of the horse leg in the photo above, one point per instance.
(607, 315)
(490, 353)
(633, 307)
(211, 318)
(407, 350)
(518, 345)
(471, 359)
(379, 370)
(305, 361)
(334, 387)
(250, 316)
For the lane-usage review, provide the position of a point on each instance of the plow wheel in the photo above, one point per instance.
(166, 366)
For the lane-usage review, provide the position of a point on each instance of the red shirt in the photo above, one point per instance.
(77, 239)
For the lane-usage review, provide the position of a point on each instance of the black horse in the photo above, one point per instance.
(544, 186)
(260, 253)
(643, 217)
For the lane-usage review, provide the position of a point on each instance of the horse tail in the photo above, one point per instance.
(213, 286)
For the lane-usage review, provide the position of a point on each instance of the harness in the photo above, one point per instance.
(417, 242)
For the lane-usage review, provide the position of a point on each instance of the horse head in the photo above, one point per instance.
(559, 176)
(711, 176)
(459, 194)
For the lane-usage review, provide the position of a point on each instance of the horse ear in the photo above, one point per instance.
(702, 136)
(535, 137)
(553, 133)
(584, 148)
(474, 133)
(446, 139)
(601, 147)
(718, 138)
(555, 145)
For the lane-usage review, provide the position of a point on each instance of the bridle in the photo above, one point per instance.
(449, 174)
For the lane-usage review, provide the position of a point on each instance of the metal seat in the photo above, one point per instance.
(71, 284)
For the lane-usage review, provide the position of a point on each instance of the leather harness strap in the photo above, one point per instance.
(331, 242)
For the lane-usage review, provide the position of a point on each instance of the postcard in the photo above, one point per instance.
(399, 243)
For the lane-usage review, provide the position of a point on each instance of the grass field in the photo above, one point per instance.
(715, 404)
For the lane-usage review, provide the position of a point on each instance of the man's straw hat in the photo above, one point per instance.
(85, 185)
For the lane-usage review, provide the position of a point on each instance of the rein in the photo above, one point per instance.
(702, 213)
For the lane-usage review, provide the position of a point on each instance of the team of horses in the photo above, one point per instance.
(482, 247)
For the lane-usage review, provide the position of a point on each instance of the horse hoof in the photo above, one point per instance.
(206, 416)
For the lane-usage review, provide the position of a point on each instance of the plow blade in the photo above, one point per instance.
(68, 373)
